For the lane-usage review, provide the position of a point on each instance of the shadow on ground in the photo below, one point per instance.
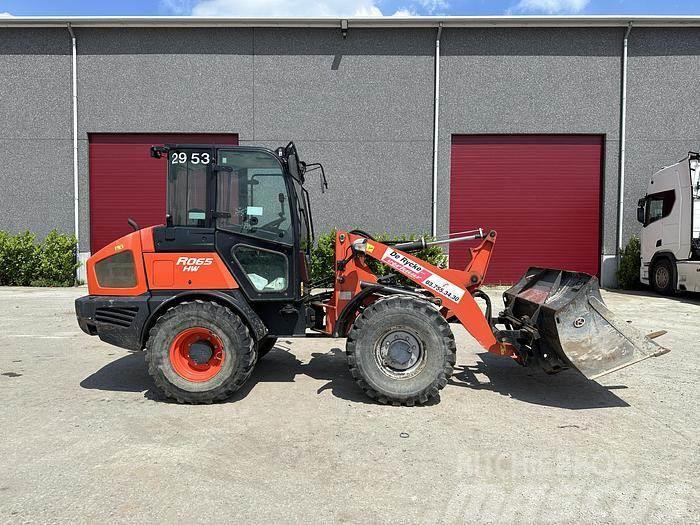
(568, 389)
(129, 374)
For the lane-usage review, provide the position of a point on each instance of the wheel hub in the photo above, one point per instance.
(399, 353)
(197, 354)
(662, 277)
(201, 352)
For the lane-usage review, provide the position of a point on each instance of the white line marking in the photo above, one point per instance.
(38, 336)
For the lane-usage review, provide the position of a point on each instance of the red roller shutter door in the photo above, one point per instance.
(126, 182)
(541, 193)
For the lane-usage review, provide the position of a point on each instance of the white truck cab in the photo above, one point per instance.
(670, 238)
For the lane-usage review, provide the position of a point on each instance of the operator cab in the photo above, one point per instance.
(250, 206)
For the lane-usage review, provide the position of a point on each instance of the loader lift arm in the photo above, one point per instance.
(453, 290)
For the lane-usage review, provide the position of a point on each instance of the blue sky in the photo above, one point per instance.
(345, 7)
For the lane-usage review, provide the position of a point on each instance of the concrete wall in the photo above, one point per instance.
(663, 108)
(36, 156)
(532, 81)
(158, 81)
(363, 106)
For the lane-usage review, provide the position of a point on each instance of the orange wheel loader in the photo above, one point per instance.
(208, 293)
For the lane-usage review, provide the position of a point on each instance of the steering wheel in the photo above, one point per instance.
(274, 225)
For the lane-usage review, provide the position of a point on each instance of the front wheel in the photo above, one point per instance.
(401, 351)
(662, 277)
(200, 352)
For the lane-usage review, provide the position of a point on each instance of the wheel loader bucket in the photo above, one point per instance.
(573, 324)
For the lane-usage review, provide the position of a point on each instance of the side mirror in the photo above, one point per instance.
(640, 214)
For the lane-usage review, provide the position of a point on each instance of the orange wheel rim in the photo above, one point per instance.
(197, 354)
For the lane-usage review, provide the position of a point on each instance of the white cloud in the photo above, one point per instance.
(432, 7)
(177, 7)
(368, 10)
(290, 8)
(549, 7)
(6, 14)
(405, 12)
(263, 8)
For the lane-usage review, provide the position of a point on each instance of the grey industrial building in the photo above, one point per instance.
(359, 95)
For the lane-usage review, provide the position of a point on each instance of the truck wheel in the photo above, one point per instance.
(199, 352)
(662, 277)
(265, 345)
(401, 351)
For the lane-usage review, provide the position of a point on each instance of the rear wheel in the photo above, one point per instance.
(199, 352)
(401, 351)
(662, 277)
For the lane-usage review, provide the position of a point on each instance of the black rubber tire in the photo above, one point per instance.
(661, 285)
(239, 352)
(432, 331)
(264, 346)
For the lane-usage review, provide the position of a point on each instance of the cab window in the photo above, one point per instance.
(659, 205)
(187, 187)
(252, 196)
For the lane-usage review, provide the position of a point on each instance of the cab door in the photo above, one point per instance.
(255, 233)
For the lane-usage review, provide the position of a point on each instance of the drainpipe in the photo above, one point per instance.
(436, 109)
(623, 145)
(76, 217)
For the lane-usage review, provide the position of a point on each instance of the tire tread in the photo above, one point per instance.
(155, 359)
(415, 305)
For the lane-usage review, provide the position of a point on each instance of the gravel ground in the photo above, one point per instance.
(86, 439)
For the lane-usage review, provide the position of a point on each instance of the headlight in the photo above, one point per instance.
(116, 271)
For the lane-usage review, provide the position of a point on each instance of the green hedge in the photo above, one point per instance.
(630, 262)
(323, 258)
(25, 262)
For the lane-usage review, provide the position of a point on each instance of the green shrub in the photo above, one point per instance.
(323, 258)
(23, 262)
(19, 259)
(57, 260)
(630, 261)
(4, 236)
